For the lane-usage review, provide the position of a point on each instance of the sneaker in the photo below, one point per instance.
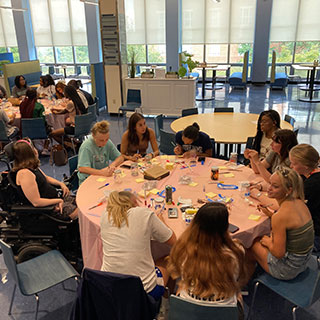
(45, 152)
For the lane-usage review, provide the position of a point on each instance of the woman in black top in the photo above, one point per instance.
(305, 160)
(36, 187)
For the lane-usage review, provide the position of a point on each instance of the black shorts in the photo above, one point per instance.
(69, 130)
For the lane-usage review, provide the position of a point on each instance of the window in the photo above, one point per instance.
(15, 53)
(284, 51)
(145, 28)
(60, 38)
(196, 50)
(216, 53)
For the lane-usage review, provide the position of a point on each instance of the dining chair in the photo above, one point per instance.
(133, 103)
(189, 112)
(181, 309)
(37, 274)
(158, 124)
(73, 172)
(3, 133)
(230, 110)
(290, 120)
(167, 142)
(34, 128)
(93, 110)
(97, 102)
(301, 291)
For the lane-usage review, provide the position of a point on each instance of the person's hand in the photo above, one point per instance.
(264, 210)
(108, 171)
(177, 150)
(256, 186)
(266, 241)
(65, 190)
(247, 153)
(255, 193)
(253, 155)
(59, 206)
(136, 157)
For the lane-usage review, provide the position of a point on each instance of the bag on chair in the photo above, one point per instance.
(59, 155)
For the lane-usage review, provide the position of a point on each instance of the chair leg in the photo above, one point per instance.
(253, 298)
(294, 309)
(12, 297)
(37, 305)
(73, 147)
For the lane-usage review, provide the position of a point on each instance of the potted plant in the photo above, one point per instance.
(186, 58)
(132, 54)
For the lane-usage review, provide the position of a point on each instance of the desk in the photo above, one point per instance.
(89, 195)
(312, 87)
(213, 85)
(230, 128)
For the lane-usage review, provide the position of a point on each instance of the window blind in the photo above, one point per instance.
(8, 36)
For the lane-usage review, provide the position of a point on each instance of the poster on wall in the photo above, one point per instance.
(110, 43)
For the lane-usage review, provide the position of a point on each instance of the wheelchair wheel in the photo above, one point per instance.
(31, 251)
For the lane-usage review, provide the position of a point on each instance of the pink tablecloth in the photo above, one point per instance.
(89, 195)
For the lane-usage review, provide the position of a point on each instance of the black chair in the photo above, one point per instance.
(3, 133)
(189, 112)
(96, 100)
(167, 142)
(296, 132)
(249, 145)
(133, 103)
(93, 110)
(72, 180)
(223, 110)
(290, 120)
(158, 124)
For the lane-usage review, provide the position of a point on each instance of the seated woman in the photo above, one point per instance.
(3, 92)
(285, 253)
(82, 93)
(135, 140)
(305, 161)
(20, 87)
(126, 231)
(282, 142)
(96, 152)
(12, 131)
(268, 123)
(190, 139)
(73, 107)
(60, 90)
(207, 243)
(29, 107)
(47, 88)
(36, 187)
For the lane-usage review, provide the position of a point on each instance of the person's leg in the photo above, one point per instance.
(57, 135)
(260, 253)
(167, 280)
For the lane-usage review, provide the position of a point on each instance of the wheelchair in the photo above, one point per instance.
(32, 231)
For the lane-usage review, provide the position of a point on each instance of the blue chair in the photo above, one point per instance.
(34, 128)
(277, 79)
(189, 112)
(92, 109)
(302, 291)
(73, 171)
(37, 274)
(96, 100)
(181, 309)
(290, 120)
(133, 103)
(158, 124)
(192, 74)
(167, 142)
(239, 79)
(3, 133)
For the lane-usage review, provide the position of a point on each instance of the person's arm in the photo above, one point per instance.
(124, 148)
(154, 144)
(259, 167)
(178, 150)
(57, 183)
(14, 92)
(160, 229)
(264, 200)
(207, 153)
(276, 243)
(27, 181)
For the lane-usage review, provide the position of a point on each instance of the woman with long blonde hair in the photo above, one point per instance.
(207, 260)
(126, 231)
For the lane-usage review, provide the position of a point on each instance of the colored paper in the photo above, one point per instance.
(211, 194)
(142, 192)
(154, 191)
(101, 179)
(223, 168)
(139, 180)
(228, 175)
(254, 217)
(193, 184)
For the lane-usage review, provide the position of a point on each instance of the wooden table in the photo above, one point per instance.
(230, 128)
(89, 195)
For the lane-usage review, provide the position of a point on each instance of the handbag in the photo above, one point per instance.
(58, 155)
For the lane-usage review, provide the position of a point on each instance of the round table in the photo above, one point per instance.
(90, 195)
(231, 128)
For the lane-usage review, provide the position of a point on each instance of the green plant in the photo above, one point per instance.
(188, 60)
(132, 55)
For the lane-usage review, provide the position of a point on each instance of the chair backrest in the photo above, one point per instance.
(9, 261)
(250, 141)
(296, 132)
(96, 100)
(181, 309)
(93, 110)
(73, 165)
(213, 143)
(223, 110)
(134, 96)
(34, 128)
(158, 124)
(83, 124)
(189, 112)
(245, 67)
(3, 132)
(289, 119)
(167, 142)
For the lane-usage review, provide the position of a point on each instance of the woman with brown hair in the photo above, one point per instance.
(135, 140)
(208, 261)
(126, 231)
(37, 188)
(285, 253)
(60, 90)
(282, 142)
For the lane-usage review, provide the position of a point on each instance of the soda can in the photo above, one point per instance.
(214, 173)
(168, 194)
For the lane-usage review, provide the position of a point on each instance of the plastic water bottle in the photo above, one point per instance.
(245, 189)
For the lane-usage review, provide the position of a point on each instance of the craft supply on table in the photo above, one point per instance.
(169, 191)
(105, 185)
(254, 217)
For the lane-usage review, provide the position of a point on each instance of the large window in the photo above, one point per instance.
(60, 34)
(8, 38)
(295, 31)
(218, 31)
(145, 27)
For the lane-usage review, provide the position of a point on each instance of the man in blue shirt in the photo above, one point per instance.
(96, 152)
